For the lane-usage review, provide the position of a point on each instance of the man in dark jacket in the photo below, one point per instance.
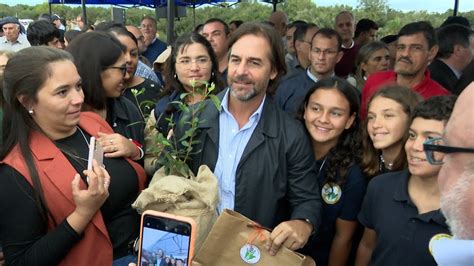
(325, 51)
(262, 157)
(154, 45)
(456, 44)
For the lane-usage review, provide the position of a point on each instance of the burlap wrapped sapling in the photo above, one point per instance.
(174, 189)
(196, 197)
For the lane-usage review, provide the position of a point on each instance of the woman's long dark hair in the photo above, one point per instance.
(93, 52)
(122, 31)
(24, 75)
(171, 81)
(348, 148)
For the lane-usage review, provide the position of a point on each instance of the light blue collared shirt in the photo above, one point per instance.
(145, 71)
(232, 142)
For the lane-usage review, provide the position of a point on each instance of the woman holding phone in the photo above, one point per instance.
(54, 211)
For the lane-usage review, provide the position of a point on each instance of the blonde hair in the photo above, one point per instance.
(363, 56)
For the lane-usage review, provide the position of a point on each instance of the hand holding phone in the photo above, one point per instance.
(166, 237)
(95, 152)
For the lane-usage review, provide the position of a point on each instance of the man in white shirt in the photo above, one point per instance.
(12, 40)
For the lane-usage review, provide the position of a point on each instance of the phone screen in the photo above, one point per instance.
(164, 241)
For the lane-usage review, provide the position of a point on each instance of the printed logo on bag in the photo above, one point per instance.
(250, 254)
(331, 193)
(436, 238)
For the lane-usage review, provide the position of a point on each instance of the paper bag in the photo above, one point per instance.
(236, 240)
(195, 198)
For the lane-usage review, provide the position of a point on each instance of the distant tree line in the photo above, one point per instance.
(389, 19)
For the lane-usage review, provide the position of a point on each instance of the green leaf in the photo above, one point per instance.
(182, 96)
(183, 107)
(185, 143)
(211, 88)
(216, 101)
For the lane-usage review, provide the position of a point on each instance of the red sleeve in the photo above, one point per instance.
(441, 91)
(367, 92)
(373, 83)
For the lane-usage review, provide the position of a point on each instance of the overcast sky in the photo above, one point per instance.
(405, 5)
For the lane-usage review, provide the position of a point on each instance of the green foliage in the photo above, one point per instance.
(389, 19)
(146, 105)
(172, 151)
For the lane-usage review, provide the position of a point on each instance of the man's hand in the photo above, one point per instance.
(292, 234)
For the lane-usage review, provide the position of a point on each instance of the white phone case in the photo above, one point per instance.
(95, 152)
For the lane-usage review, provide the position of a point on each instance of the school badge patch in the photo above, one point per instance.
(331, 193)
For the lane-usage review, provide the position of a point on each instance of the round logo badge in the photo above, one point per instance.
(250, 254)
(331, 193)
(436, 238)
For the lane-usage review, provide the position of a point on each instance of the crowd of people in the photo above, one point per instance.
(354, 150)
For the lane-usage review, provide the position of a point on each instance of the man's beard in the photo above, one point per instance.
(249, 95)
(457, 208)
(246, 97)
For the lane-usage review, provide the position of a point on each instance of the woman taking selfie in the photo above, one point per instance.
(54, 210)
(331, 119)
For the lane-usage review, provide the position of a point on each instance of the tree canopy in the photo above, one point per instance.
(389, 20)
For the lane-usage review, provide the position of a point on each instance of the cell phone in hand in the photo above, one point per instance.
(95, 152)
(164, 236)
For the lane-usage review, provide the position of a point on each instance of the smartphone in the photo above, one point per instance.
(95, 152)
(166, 237)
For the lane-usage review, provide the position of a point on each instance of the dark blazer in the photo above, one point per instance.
(466, 78)
(291, 92)
(276, 179)
(124, 117)
(441, 73)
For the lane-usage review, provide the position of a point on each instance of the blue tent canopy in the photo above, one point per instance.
(146, 3)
